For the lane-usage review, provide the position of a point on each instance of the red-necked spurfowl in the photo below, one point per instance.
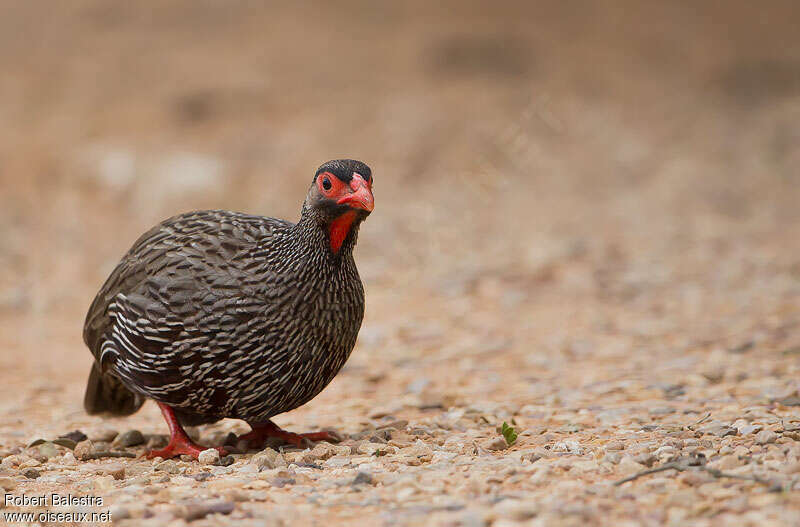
(217, 314)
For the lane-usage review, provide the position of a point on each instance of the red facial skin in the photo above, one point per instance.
(358, 195)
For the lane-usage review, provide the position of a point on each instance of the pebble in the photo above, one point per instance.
(749, 429)
(105, 435)
(31, 473)
(48, 450)
(76, 436)
(168, 465)
(628, 466)
(84, 449)
(210, 456)
(614, 445)
(65, 442)
(718, 430)
(370, 448)
(7, 484)
(497, 443)
(268, 459)
(363, 478)
(119, 512)
(766, 437)
(129, 439)
(198, 511)
(645, 459)
(570, 445)
(115, 471)
(728, 462)
(103, 483)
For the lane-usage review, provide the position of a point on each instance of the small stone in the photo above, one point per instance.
(750, 429)
(210, 456)
(614, 445)
(628, 466)
(129, 438)
(766, 437)
(370, 448)
(322, 451)
(76, 436)
(792, 468)
(48, 450)
(201, 510)
(718, 430)
(645, 459)
(792, 400)
(714, 375)
(168, 466)
(364, 478)
(115, 471)
(30, 463)
(569, 445)
(419, 451)
(497, 443)
(728, 462)
(282, 482)
(157, 441)
(695, 478)
(84, 449)
(65, 442)
(119, 513)
(7, 484)
(103, 483)
(106, 435)
(662, 410)
(399, 424)
(31, 473)
(268, 459)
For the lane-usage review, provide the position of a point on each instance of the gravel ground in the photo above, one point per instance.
(587, 227)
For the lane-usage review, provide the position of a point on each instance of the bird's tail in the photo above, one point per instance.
(107, 395)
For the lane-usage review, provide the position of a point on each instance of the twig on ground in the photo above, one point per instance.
(691, 463)
(702, 420)
(667, 466)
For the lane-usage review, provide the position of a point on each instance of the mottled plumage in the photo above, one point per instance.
(222, 314)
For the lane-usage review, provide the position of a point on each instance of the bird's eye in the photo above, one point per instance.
(326, 184)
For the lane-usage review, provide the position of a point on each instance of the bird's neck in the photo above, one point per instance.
(337, 237)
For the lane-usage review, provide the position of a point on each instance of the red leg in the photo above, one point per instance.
(263, 431)
(179, 442)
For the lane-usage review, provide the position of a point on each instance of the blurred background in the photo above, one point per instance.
(557, 183)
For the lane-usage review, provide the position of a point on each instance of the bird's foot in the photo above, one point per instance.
(182, 446)
(262, 432)
(179, 442)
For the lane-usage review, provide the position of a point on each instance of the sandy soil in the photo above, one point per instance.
(587, 226)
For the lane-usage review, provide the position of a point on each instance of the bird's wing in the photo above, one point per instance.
(172, 270)
(184, 302)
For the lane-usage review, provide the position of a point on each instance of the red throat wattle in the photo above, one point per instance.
(339, 229)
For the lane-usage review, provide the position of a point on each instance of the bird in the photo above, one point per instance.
(216, 314)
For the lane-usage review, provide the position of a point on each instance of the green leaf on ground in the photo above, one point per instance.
(509, 433)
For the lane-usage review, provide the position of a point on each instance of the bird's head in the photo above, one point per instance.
(340, 198)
